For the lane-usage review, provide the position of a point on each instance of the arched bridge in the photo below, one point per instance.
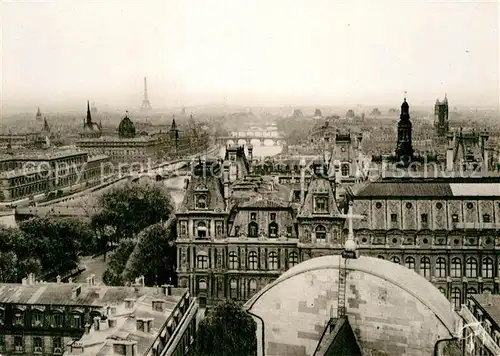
(257, 138)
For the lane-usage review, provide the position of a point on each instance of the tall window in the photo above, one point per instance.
(36, 318)
(202, 230)
(201, 201)
(423, 219)
(253, 229)
(253, 262)
(233, 289)
(252, 287)
(58, 319)
(456, 298)
(273, 229)
(76, 321)
(320, 234)
(487, 268)
(18, 319)
(471, 268)
(395, 259)
(320, 205)
(456, 267)
(272, 261)
(233, 260)
(57, 345)
(293, 259)
(410, 263)
(37, 345)
(440, 271)
(425, 267)
(18, 343)
(202, 261)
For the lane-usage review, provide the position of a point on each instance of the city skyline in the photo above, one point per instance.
(249, 53)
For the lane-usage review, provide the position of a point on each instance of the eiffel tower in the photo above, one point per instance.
(146, 105)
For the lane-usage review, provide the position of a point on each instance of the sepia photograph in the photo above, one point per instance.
(249, 178)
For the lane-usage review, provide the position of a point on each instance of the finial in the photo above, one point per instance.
(126, 113)
(405, 96)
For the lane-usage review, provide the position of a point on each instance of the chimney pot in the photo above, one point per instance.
(58, 278)
(111, 322)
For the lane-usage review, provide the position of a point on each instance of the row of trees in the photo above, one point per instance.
(42, 246)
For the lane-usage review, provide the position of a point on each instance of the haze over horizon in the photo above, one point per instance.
(280, 52)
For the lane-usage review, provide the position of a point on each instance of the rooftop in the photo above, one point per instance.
(427, 189)
(61, 294)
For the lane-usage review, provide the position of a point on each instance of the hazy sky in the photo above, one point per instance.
(252, 52)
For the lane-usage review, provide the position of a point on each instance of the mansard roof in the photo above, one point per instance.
(427, 189)
(264, 203)
(321, 186)
(209, 185)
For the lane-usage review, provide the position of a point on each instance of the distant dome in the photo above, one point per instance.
(126, 129)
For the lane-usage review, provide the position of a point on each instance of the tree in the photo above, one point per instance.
(56, 242)
(228, 331)
(154, 255)
(129, 209)
(113, 274)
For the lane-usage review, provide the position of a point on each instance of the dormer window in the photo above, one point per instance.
(201, 201)
(273, 230)
(345, 169)
(320, 205)
(253, 229)
(253, 216)
(202, 230)
(320, 234)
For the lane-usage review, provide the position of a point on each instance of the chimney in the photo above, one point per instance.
(103, 324)
(97, 323)
(111, 323)
(31, 279)
(140, 281)
(129, 303)
(25, 281)
(87, 328)
(169, 289)
(75, 292)
(58, 279)
(70, 280)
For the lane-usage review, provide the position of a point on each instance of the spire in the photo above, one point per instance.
(38, 115)
(89, 117)
(174, 125)
(46, 125)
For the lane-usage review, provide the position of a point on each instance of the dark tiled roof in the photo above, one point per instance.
(264, 203)
(385, 189)
(61, 294)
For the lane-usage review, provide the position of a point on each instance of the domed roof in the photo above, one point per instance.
(392, 309)
(126, 129)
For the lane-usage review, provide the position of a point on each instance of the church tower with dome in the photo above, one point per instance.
(126, 129)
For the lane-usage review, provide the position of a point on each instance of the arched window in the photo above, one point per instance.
(320, 234)
(410, 263)
(470, 292)
(272, 261)
(233, 260)
(202, 230)
(425, 267)
(442, 290)
(456, 298)
(273, 230)
(345, 169)
(202, 261)
(293, 259)
(233, 289)
(253, 229)
(395, 259)
(471, 268)
(18, 319)
(440, 271)
(36, 318)
(487, 268)
(252, 287)
(253, 262)
(201, 201)
(202, 285)
(456, 268)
